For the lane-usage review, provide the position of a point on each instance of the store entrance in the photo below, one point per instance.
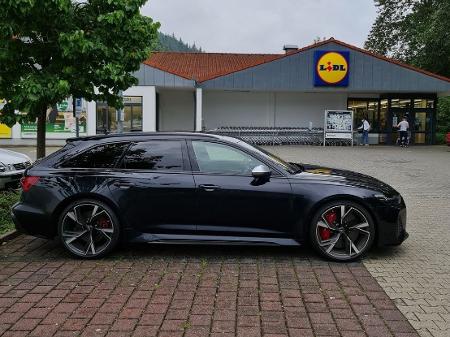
(107, 117)
(421, 127)
(395, 116)
(418, 113)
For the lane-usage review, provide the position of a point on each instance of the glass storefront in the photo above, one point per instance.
(364, 109)
(384, 114)
(107, 117)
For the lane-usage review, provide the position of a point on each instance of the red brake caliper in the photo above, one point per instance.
(325, 233)
(103, 223)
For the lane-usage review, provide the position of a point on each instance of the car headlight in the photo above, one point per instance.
(396, 199)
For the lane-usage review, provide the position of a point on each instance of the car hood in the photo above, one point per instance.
(344, 177)
(11, 157)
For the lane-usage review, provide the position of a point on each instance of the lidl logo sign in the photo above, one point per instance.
(331, 68)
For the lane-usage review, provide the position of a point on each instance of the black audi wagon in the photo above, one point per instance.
(201, 188)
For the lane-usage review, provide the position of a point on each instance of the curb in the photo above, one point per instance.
(8, 236)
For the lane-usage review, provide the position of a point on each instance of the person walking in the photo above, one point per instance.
(365, 128)
(403, 127)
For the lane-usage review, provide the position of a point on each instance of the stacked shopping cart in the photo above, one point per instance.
(273, 135)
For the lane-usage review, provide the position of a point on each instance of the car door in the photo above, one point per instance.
(230, 201)
(154, 187)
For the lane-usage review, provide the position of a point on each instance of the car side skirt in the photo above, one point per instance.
(213, 240)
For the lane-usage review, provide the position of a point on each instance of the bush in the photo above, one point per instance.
(7, 200)
(440, 138)
(443, 116)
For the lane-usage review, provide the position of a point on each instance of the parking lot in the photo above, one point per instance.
(415, 275)
(145, 290)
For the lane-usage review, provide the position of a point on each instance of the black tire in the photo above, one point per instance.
(339, 237)
(107, 232)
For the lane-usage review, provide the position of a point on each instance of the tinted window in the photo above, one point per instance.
(219, 158)
(101, 156)
(154, 155)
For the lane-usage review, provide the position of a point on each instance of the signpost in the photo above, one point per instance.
(120, 115)
(338, 125)
(77, 109)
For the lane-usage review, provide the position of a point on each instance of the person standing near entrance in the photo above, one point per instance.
(403, 128)
(365, 128)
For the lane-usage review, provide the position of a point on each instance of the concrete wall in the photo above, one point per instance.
(298, 109)
(268, 109)
(237, 108)
(176, 110)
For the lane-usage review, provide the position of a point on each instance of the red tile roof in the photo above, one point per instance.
(207, 66)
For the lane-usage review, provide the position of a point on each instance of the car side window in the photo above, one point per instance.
(100, 156)
(156, 155)
(223, 159)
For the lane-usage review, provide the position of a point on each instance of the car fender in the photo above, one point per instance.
(319, 194)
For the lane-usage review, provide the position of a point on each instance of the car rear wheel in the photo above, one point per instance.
(88, 229)
(342, 231)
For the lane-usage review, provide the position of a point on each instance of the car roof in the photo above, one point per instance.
(135, 135)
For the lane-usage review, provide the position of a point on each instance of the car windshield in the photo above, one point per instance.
(291, 168)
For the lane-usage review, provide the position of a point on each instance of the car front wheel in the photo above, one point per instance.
(342, 231)
(88, 229)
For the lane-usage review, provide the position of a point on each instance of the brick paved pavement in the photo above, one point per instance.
(228, 291)
(415, 275)
(173, 291)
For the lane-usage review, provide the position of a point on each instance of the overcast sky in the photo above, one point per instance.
(262, 26)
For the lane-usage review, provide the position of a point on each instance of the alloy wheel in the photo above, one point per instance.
(87, 229)
(343, 232)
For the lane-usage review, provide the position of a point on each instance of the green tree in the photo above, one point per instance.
(50, 49)
(416, 32)
(171, 43)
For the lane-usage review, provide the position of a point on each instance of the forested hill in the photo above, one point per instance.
(171, 43)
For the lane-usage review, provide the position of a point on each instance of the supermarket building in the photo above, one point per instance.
(205, 91)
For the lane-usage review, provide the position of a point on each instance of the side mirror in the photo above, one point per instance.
(261, 171)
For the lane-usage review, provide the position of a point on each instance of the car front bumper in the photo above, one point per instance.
(391, 230)
(10, 179)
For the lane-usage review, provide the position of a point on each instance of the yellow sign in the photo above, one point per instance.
(5, 132)
(332, 67)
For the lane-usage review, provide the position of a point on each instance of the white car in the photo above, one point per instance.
(12, 167)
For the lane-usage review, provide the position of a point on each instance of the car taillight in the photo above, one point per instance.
(28, 182)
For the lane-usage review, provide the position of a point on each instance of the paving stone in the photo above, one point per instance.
(417, 273)
(144, 290)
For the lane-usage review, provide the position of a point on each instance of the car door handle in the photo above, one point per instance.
(209, 187)
(122, 185)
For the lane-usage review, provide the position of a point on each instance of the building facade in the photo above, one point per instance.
(205, 91)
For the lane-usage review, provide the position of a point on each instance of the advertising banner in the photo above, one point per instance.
(338, 125)
(61, 122)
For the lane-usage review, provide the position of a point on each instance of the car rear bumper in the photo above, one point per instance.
(29, 220)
